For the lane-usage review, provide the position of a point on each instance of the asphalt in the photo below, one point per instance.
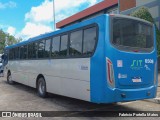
(19, 97)
(157, 99)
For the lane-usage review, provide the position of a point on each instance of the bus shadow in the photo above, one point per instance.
(78, 107)
(22, 87)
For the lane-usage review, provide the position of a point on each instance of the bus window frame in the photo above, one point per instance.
(61, 34)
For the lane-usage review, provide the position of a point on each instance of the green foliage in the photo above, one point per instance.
(2, 40)
(7, 39)
(144, 13)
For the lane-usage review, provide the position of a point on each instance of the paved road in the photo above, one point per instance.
(22, 98)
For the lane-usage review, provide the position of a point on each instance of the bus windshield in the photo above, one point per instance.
(133, 35)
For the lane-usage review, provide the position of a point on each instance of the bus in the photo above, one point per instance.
(106, 59)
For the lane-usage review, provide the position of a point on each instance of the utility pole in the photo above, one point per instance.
(118, 6)
(54, 15)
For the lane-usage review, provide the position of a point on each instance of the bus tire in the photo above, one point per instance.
(9, 78)
(41, 87)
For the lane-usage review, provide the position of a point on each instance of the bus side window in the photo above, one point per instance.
(64, 45)
(75, 47)
(11, 54)
(23, 52)
(32, 51)
(41, 47)
(47, 48)
(30, 48)
(16, 53)
(55, 47)
(89, 40)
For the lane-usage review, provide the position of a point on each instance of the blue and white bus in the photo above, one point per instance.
(106, 59)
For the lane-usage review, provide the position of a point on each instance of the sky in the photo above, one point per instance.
(29, 18)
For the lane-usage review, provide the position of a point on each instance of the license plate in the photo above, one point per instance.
(137, 80)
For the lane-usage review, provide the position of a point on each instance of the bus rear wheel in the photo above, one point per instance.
(9, 79)
(41, 87)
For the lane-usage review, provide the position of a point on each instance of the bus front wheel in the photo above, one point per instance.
(9, 79)
(41, 87)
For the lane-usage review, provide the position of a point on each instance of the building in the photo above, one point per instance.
(107, 6)
(111, 6)
(152, 5)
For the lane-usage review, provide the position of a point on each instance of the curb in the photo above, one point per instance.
(155, 100)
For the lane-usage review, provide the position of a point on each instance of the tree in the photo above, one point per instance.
(144, 13)
(7, 39)
(2, 40)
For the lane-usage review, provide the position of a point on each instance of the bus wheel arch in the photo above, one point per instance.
(41, 86)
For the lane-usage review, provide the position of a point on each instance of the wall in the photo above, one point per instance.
(142, 2)
(152, 5)
(127, 4)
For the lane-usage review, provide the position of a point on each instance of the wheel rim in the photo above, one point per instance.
(41, 87)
